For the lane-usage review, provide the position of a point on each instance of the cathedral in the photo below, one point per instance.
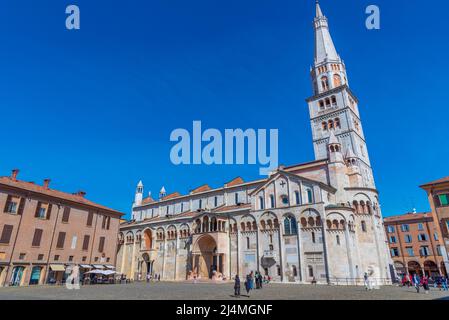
(316, 222)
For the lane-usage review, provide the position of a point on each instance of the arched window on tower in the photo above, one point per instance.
(324, 125)
(334, 101)
(297, 198)
(321, 105)
(337, 80)
(363, 223)
(331, 124)
(325, 83)
(337, 123)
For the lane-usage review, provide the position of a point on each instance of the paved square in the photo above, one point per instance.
(211, 291)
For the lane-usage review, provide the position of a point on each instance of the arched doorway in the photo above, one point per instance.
(145, 264)
(431, 269)
(414, 268)
(205, 261)
(35, 275)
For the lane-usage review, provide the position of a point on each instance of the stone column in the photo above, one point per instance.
(281, 250)
(133, 260)
(349, 251)
(259, 251)
(122, 267)
(300, 252)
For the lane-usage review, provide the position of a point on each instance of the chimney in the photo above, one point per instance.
(14, 174)
(46, 183)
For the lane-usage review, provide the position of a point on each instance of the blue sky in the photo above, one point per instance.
(93, 109)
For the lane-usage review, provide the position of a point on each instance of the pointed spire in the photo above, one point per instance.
(140, 184)
(324, 46)
(319, 13)
(333, 139)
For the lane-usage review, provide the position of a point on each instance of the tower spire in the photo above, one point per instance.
(324, 46)
(319, 13)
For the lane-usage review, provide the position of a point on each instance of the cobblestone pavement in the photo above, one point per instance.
(206, 291)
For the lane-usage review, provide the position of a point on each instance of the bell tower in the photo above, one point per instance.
(333, 107)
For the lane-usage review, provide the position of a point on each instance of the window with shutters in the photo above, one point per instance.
(66, 215)
(56, 257)
(103, 223)
(90, 218)
(61, 240)
(101, 244)
(37, 237)
(22, 256)
(12, 205)
(43, 210)
(86, 242)
(6, 234)
(108, 223)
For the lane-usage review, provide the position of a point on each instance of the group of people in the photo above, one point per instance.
(440, 282)
(252, 281)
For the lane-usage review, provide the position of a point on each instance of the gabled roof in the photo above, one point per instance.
(234, 182)
(35, 188)
(202, 188)
(171, 196)
(148, 200)
(295, 176)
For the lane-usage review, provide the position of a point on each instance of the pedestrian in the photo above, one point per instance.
(248, 284)
(256, 278)
(194, 279)
(416, 282)
(237, 286)
(148, 277)
(425, 284)
(366, 281)
(260, 281)
(444, 283)
(159, 277)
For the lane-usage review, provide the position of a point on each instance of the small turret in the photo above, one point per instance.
(334, 148)
(139, 194)
(162, 193)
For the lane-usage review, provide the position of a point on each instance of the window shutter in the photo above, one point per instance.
(8, 200)
(86, 242)
(6, 234)
(61, 239)
(108, 223)
(21, 206)
(36, 214)
(37, 237)
(103, 223)
(66, 214)
(90, 217)
(49, 211)
(101, 245)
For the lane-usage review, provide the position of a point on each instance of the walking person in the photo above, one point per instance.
(416, 282)
(366, 281)
(425, 284)
(256, 278)
(237, 286)
(148, 278)
(260, 280)
(248, 284)
(444, 283)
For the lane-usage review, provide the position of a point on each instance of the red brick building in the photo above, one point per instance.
(438, 196)
(42, 231)
(415, 244)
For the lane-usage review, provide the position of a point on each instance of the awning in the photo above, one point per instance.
(57, 267)
(86, 266)
(110, 267)
(98, 266)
